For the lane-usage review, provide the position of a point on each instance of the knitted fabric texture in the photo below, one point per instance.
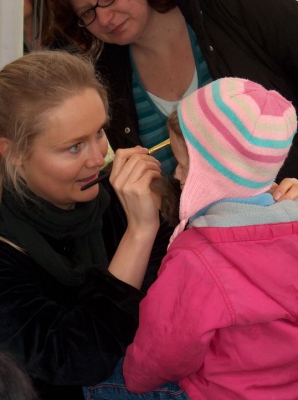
(238, 135)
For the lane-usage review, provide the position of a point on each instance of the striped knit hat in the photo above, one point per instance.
(238, 135)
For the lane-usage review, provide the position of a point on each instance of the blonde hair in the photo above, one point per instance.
(30, 88)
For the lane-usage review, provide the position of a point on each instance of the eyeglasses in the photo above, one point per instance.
(89, 15)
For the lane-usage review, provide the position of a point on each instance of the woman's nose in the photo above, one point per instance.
(95, 157)
(104, 15)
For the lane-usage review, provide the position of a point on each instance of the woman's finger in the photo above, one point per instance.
(121, 158)
(131, 181)
(133, 170)
(286, 190)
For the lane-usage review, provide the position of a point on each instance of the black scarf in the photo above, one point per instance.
(27, 223)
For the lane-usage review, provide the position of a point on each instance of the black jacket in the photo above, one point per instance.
(252, 39)
(69, 336)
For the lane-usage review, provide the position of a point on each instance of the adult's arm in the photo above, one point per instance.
(132, 172)
(261, 32)
(254, 39)
(114, 226)
(274, 25)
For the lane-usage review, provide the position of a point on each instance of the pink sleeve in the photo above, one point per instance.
(178, 318)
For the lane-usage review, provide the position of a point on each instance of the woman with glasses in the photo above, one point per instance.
(153, 53)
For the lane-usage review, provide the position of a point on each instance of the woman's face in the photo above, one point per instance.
(69, 153)
(181, 154)
(123, 22)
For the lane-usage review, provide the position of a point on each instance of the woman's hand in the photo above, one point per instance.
(286, 190)
(132, 172)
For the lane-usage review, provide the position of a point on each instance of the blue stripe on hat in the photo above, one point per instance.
(239, 180)
(230, 114)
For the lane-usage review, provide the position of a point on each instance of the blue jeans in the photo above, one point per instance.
(114, 389)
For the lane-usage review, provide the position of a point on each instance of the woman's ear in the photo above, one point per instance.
(5, 148)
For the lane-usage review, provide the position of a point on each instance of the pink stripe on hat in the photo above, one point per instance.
(238, 135)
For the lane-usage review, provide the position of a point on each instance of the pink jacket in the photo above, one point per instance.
(222, 318)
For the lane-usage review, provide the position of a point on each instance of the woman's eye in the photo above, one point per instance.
(87, 14)
(100, 133)
(75, 148)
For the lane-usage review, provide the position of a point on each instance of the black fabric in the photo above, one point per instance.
(64, 336)
(114, 66)
(28, 222)
(112, 234)
(69, 336)
(251, 39)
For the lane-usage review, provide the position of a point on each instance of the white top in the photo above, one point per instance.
(167, 107)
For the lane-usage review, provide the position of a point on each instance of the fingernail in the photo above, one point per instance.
(277, 196)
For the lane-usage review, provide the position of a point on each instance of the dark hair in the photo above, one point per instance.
(15, 383)
(46, 31)
(168, 187)
(169, 190)
(66, 21)
(173, 124)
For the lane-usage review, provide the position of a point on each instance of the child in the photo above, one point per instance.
(221, 319)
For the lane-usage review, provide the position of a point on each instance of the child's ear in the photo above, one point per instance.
(5, 147)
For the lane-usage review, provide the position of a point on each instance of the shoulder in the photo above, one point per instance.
(184, 255)
(189, 239)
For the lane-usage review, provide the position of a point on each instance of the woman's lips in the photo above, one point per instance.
(83, 182)
(118, 29)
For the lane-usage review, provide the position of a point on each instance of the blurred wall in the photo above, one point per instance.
(11, 30)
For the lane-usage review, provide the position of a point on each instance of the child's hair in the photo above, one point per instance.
(30, 88)
(174, 125)
(169, 190)
(168, 187)
(15, 383)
